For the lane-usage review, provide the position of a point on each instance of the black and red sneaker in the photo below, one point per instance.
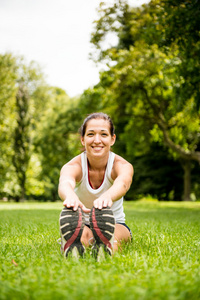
(102, 224)
(71, 228)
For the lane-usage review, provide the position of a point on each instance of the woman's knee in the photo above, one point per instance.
(87, 237)
(122, 234)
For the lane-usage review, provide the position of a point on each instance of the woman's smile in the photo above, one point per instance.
(97, 148)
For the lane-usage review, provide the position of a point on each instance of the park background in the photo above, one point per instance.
(147, 59)
(149, 78)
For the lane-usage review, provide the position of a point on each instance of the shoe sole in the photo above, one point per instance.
(71, 228)
(102, 224)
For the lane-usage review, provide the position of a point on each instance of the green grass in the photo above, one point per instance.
(163, 261)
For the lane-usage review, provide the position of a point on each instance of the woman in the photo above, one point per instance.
(92, 186)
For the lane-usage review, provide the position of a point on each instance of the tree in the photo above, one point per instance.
(18, 84)
(8, 76)
(39, 126)
(181, 27)
(142, 80)
(148, 92)
(57, 139)
(22, 138)
(157, 174)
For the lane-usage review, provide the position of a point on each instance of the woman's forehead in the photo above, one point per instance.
(98, 123)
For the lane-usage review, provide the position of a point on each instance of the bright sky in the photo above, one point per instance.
(56, 35)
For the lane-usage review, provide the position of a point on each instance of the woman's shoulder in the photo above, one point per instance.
(120, 165)
(73, 168)
(74, 161)
(120, 160)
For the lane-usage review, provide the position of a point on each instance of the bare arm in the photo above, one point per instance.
(69, 175)
(122, 174)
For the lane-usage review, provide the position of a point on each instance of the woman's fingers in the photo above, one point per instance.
(75, 204)
(84, 209)
(99, 203)
(71, 203)
(110, 203)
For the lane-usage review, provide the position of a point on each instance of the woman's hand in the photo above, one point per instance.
(102, 202)
(75, 203)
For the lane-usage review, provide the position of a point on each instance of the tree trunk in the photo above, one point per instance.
(23, 191)
(186, 164)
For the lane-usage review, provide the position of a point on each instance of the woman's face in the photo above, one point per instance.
(97, 139)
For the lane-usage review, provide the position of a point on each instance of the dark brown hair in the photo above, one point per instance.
(98, 115)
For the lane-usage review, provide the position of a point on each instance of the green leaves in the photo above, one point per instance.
(151, 81)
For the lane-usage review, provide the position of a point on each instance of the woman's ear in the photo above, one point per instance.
(82, 141)
(113, 139)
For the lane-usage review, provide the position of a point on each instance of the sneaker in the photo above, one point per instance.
(71, 228)
(102, 223)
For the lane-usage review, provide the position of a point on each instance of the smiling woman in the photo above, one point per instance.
(97, 139)
(92, 186)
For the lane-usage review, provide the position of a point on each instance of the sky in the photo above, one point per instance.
(55, 34)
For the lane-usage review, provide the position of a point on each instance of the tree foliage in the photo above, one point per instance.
(144, 80)
(19, 83)
(7, 116)
(57, 140)
(21, 137)
(183, 30)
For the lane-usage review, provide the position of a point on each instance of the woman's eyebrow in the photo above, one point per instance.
(94, 130)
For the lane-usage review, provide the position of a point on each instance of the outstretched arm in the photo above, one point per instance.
(70, 173)
(122, 174)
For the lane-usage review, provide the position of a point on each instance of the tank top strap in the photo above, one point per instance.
(110, 165)
(84, 163)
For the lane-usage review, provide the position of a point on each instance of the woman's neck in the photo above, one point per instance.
(97, 163)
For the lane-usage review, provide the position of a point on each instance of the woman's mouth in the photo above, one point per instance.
(97, 148)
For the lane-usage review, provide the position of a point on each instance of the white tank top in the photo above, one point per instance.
(87, 194)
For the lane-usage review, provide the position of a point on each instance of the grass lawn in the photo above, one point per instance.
(163, 261)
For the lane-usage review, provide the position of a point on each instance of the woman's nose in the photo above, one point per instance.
(97, 138)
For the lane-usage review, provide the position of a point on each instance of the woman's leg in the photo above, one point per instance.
(122, 234)
(87, 238)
